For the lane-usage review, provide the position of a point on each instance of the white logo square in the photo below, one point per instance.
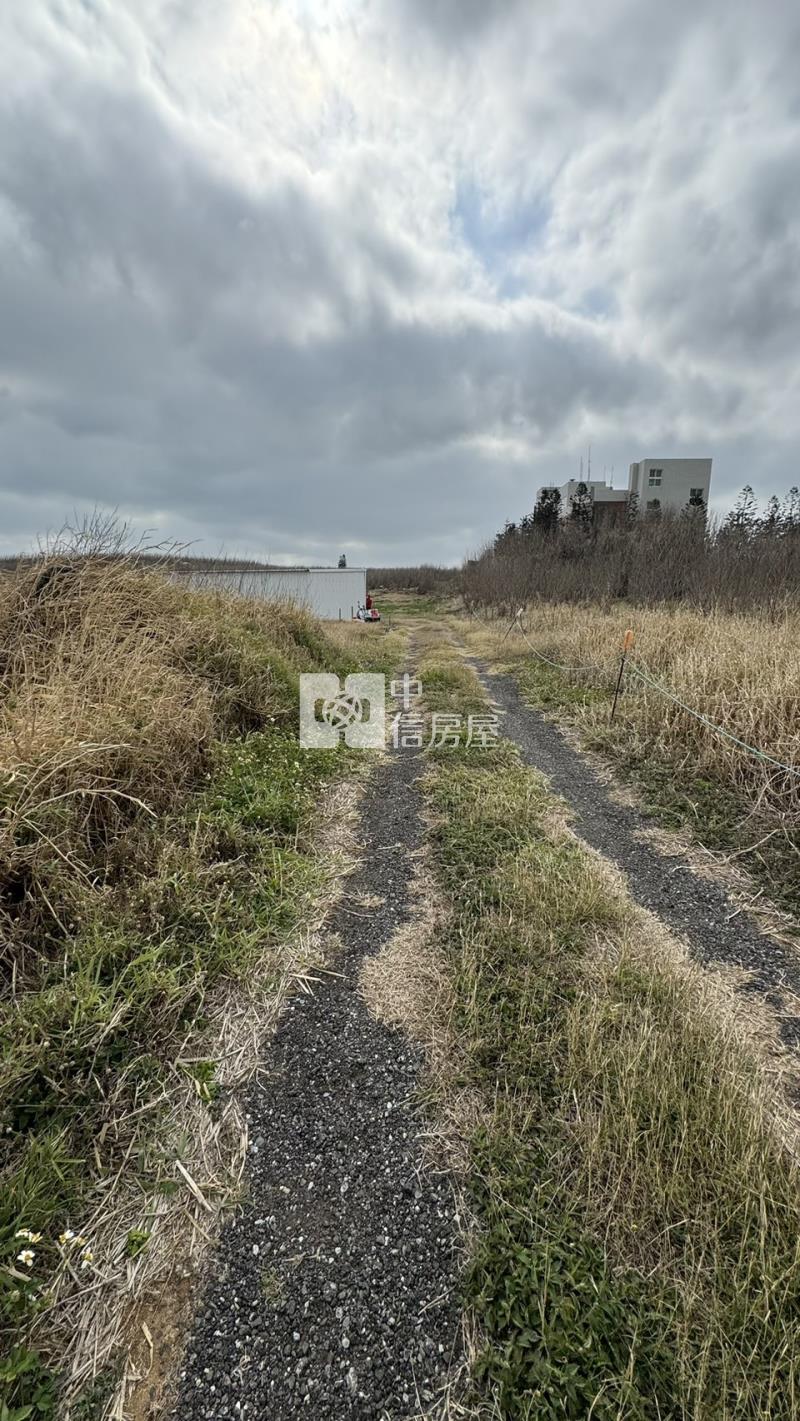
(329, 711)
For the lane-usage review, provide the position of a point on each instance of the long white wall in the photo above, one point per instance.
(329, 592)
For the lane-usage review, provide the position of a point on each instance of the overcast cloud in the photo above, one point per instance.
(288, 277)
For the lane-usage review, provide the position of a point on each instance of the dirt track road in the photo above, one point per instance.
(333, 1291)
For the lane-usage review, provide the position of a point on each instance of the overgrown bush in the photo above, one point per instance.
(425, 578)
(747, 562)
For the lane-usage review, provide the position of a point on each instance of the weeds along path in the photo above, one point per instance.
(630, 1166)
(692, 906)
(332, 1291)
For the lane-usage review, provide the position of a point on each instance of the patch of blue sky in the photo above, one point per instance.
(599, 302)
(497, 237)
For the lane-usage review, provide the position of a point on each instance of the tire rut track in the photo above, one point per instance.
(693, 907)
(333, 1291)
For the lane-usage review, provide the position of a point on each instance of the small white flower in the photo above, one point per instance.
(87, 1258)
(67, 1237)
(26, 1256)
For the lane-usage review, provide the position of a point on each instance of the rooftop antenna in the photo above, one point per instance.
(581, 478)
(589, 468)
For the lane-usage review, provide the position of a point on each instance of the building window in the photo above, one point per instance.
(654, 478)
(696, 493)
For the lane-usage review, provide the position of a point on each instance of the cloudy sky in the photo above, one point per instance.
(287, 277)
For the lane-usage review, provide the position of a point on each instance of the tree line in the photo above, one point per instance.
(750, 559)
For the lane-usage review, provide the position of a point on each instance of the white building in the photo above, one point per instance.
(332, 593)
(659, 483)
(670, 483)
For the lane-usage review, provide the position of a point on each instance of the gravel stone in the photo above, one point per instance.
(360, 1246)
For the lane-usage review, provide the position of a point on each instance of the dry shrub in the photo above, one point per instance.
(113, 684)
(426, 578)
(743, 564)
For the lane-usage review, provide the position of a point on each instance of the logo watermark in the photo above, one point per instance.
(330, 711)
(356, 713)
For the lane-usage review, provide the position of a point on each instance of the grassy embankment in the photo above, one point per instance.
(157, 867)
(637, 1214)
(743, 673)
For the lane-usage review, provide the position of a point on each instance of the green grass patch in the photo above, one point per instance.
(639, 1221)
(379, 650)
(549, 689)
(451, 690)
(95, 1039)
(410, 605)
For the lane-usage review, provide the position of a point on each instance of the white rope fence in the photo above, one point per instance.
(635, 669)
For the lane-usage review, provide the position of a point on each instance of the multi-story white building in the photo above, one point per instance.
(658, 483)
(670, 483)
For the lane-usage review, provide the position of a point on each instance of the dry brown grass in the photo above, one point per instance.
(113, 685)
(160, 890)
(741, 672)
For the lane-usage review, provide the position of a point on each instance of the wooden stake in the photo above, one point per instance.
(513, 622)
(626, 647)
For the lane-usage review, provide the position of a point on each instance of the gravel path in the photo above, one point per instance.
(695, 908)
(332, 1293)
